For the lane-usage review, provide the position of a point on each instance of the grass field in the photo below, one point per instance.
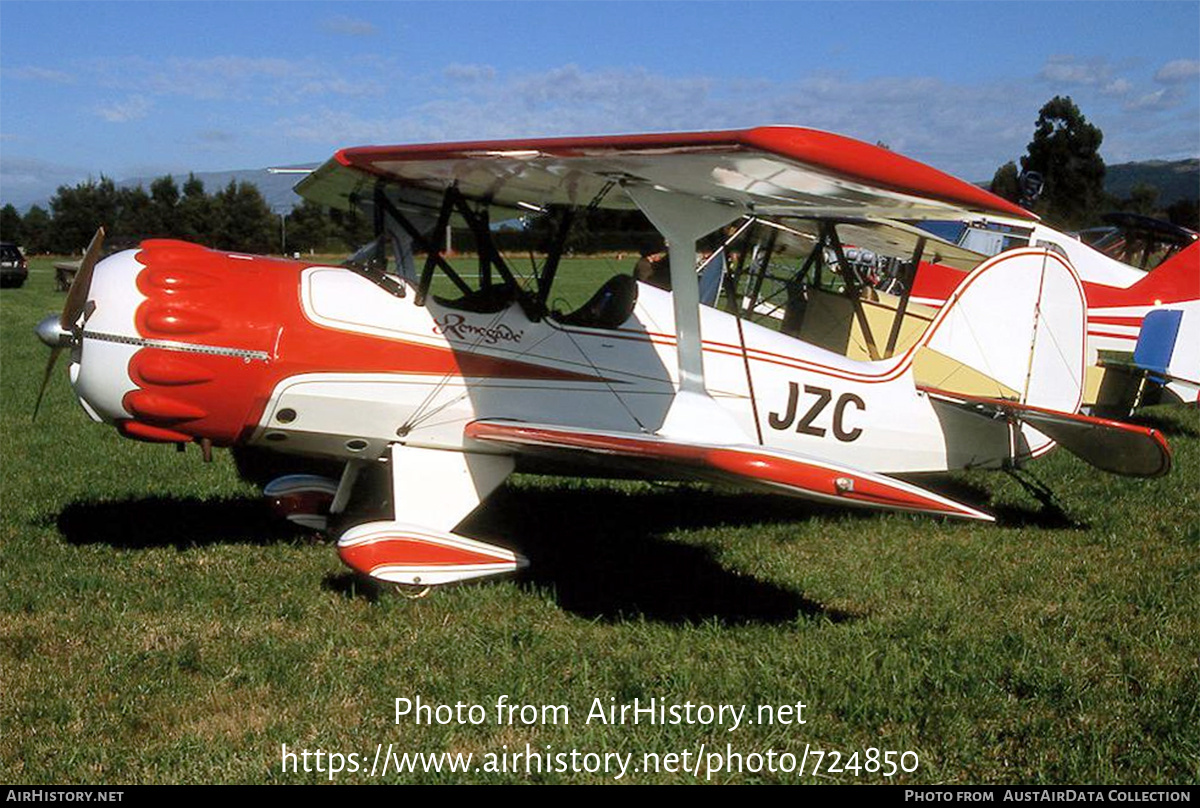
(156, 625)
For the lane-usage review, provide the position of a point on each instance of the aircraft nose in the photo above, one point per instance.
(174, 342)
(180, 341)
(105, 338)
(51, 333)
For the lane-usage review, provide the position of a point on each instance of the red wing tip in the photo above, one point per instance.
(925, 504)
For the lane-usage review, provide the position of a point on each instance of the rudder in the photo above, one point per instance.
(1018, 321)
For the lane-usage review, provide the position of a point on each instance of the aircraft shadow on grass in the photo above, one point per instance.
(179, 522)
(604, 554)
(1168, 426)
(601, 552)
(1048, 512)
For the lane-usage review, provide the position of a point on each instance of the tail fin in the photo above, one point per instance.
(1015, 329)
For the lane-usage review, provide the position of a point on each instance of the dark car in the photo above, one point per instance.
(13, 269)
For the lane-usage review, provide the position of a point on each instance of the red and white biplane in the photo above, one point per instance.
(442, 383)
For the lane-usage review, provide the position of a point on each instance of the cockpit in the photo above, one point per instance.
(841, 284)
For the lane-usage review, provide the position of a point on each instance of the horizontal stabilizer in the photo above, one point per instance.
(755, 467)
(1135, 451)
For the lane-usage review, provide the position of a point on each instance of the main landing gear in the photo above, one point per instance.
(415, 550)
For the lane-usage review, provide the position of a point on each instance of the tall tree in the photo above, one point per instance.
(1185, 213)
(352, 227)
(164, 196)
(195, 213)
(10, 224)
(1143, 199)
(1006, 182)
(136, 217)
(309, 227)
(36, 229)
(79, 211)
(1065, 150)
(242, 219)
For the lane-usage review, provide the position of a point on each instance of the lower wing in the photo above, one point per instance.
(747, 466)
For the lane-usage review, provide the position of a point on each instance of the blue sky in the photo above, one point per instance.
(143, 88)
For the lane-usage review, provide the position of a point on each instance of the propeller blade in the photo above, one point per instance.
(77, 296)
(59, 335)
(45, 380)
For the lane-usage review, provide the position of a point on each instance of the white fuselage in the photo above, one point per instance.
(778, 391)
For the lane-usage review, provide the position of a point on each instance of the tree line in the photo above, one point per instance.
(235, 217)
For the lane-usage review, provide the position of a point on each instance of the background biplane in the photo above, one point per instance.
(426, 387)
(1141, 277)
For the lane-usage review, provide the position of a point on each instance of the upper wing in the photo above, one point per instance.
(774, 170)
(747, 466)
(888, 237)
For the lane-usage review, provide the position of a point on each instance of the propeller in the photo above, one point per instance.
(59, 332)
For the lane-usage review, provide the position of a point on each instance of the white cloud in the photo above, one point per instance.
(131, 109)
(1178, 70)
(348, 26)
(340, 86)
(1147, 101)
(260, 80)
(28, 180)
(220, 77)
(215, 136)
(966, 130)
(1117, 87)
(1163, 98)
(241, 67)
(294, 110)
(32, 73)
(469, 72)
(1069, 69)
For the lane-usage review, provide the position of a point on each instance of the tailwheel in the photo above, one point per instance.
(412, 591)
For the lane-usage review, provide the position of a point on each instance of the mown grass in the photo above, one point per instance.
(157, 626)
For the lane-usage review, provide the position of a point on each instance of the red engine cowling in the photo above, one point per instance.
(185, 343)
(208, 331)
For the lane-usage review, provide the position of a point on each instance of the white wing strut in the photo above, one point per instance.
(682, 219)
(432, 491)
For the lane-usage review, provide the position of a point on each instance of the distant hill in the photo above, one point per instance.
(1175, 179)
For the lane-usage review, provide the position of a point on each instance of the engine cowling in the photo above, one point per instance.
(182, 343)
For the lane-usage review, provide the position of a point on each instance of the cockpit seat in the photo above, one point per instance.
(611, 305)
